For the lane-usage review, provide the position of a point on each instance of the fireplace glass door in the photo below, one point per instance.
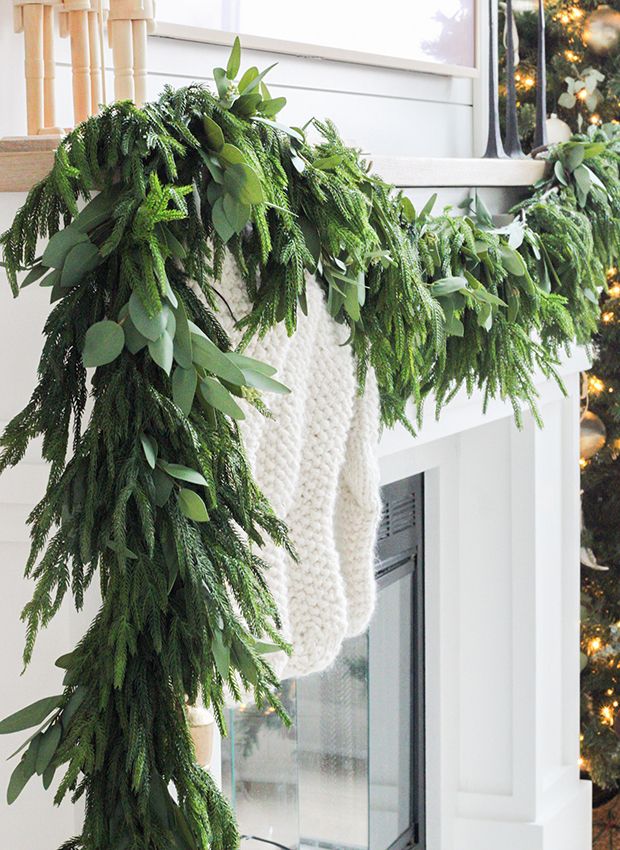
(348, 773)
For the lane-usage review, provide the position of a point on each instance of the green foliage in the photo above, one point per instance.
(151, 493)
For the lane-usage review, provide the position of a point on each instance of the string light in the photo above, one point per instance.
(607, 715)
(582, 95)
(595, 385)
(594, 645)
(583, 462)
(595, 118)
(607, 317)
(614, 291)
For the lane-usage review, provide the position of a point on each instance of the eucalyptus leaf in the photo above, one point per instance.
(65, 662)
(246, 105)
(447, 285)
(255, 80)
(243, 183)
(34, 274)
(245, 362)
(222, 225)
(234, 60)
(183, 473)
(30, 716)
(231, 154)
(247, 78)
(428, 206)
(47, 747)
(163, 487)
(19, 778)
(327, 163)
(59, 246)
(221, 655)
(210, 357)
(162, 351)
(238, 214)
(264, 383)
(48, 777)
(192, 506)
(151, 327)
(80, 260)
(560, 173)
(134, 340)
(270, 108)
(512, 261)
(214, 134)
(184, 382)
(183, 349)
(103, 342)
(218, 397)
(149, 447)
(98, 210)
(222, 82)
(276, 125)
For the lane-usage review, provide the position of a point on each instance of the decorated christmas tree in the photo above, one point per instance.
(583, 76)
(583, 62)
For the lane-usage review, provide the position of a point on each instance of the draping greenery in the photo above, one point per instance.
(149, 490)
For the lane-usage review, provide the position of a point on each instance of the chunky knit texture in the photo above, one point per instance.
(317, 464)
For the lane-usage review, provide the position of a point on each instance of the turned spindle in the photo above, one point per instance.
(94, 52)
(129, 23)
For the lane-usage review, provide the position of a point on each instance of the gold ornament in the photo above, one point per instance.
(592, 434)
(602, 29)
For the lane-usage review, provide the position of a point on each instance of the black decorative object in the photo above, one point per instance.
(495, 149)
(540, 133)
(512, 144)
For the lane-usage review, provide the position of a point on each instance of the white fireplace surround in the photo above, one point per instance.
(502, 528)
(502, 622)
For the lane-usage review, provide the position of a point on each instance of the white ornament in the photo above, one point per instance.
(557, 130)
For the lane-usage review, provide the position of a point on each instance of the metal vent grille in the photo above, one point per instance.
(397, 514)
(400, 526)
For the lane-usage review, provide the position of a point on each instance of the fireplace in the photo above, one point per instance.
(349, 773)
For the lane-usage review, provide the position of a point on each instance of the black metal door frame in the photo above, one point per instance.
(402, 553)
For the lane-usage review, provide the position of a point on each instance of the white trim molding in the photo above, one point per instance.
(204, 35)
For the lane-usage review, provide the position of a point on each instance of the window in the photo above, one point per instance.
(393, 32)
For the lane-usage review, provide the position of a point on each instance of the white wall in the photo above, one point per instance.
(384, 111)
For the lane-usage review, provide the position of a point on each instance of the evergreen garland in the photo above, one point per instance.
(149, 491)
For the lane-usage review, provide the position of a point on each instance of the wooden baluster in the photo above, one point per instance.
(80, 63)
(139, 61)
(119, 31)
(95, 60)
(33, 62)
(49, 73)
(129, 23)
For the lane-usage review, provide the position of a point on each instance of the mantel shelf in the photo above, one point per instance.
(23, 162)
(412, 172)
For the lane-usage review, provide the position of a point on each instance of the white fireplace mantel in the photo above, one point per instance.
(502, 603)
(502, 621)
